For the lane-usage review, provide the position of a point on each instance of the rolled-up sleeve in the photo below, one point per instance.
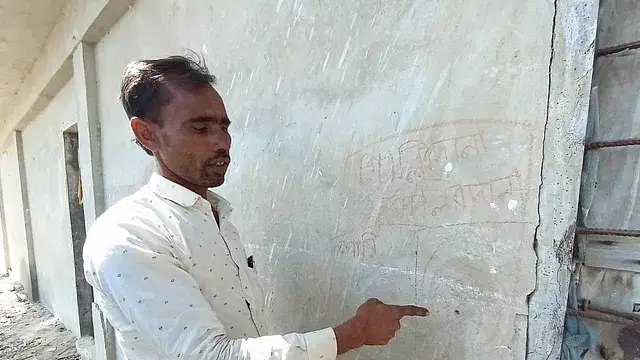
(317, 345)
(321, 344)
(165, 305)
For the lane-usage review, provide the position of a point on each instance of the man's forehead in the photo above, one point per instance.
(197, 102)
(185, 94)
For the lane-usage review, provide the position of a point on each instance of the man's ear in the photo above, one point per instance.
(145, 133)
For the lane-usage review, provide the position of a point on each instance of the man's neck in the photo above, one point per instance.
(178, 180)
(171, 176)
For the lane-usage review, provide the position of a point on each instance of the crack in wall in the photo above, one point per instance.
(542, 168)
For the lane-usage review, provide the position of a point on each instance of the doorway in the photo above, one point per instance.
(84, 292)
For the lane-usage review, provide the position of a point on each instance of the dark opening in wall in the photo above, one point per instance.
(78, 228)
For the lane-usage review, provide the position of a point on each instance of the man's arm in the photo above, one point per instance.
(166, 306)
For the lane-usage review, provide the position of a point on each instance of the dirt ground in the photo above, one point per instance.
(29, 331)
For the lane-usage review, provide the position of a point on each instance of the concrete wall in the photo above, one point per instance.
(12, 196)
(384, 149)
(5, 256)
(47, 189)
(618, 23)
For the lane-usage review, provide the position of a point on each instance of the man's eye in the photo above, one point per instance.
(200, 128)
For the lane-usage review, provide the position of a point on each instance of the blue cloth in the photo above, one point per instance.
(578, 337)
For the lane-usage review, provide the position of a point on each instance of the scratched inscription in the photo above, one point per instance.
(415, 160)
(368, 243)
(415, 200)
(359, 246)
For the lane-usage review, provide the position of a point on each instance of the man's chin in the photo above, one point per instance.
(215, 181)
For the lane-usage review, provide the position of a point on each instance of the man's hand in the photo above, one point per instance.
(375, 323)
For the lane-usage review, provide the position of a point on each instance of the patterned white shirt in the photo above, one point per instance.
(175, 285)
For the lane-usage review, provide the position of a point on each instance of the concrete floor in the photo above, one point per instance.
(29, 331)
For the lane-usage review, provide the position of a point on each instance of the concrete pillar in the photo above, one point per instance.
(28, 276)
(90, 156)
(85, 83)
(105, 338)
(5, 255)
(570, 68)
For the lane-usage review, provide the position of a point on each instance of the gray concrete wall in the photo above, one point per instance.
(47, 189)
(618, 23)
(5, 256)
(384, 149)
(12, 196)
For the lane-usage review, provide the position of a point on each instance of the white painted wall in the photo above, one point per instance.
(47, 190)
(14, 215)
(325, 98)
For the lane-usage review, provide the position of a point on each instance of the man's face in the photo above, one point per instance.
(193, 142)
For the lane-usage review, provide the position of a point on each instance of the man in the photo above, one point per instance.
(168, 269)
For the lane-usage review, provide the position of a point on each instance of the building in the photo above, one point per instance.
(419, 151)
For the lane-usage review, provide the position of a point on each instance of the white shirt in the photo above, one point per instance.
(175, 286)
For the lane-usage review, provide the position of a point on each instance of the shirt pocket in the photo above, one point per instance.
(255, 287)
(255, 293)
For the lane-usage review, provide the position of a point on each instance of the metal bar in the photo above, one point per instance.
(618, 48)
(611, 143)
(617, 313)
(594, 315)
(580, 249)
(602, 231)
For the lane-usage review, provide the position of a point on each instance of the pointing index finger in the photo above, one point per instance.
(411, 310)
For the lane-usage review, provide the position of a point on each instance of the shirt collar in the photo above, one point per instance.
(180, 195)
(220, 204)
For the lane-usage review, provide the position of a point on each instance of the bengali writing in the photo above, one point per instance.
(364, 243)
(414, 160)
(415, 170)
(421, 200)
(359, 246)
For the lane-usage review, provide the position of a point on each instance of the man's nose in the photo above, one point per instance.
(221, 140)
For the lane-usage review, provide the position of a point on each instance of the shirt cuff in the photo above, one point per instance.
(321, 344)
